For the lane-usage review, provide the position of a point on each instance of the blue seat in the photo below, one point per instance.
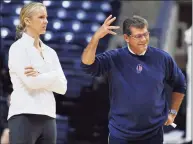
(71, 4)
(80, 39)
(70, 54)
(75, 86)
(64, 4)
(55, 25)
(55, 37)
(98, 17)
(67, 63)
(62, 129)
(97, 6)
(52, 12)
(91, 27)
(53, 4)
(11, 9)
(7, 34)
(72, 47)
(61, 13)
(10, 22)
(62, 48)
(6, 45)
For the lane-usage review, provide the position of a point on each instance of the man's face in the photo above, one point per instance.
(138, 39)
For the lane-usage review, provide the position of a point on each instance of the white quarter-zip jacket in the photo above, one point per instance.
(34, 95)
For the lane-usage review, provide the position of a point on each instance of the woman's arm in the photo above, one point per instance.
(18, 61)
(60, 84)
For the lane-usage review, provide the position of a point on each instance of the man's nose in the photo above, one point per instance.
(143, 38)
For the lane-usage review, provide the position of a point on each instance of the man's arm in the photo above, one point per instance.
(88, 56)
(98, 65)
(176, 80)
(177, 99)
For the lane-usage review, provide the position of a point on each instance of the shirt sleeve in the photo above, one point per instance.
(101, 65)
(60, 84)
(174, 76)
(18, 61)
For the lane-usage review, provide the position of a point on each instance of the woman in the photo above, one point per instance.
(35, 73)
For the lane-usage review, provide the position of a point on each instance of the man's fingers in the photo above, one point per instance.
(165, 123)
(113, 27)
(110, 21)
(107, 19)
(113, 33)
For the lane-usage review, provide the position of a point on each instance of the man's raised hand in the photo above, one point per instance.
(106, 28)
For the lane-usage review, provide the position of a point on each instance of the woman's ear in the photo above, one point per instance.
(126, 38)
(27, 21)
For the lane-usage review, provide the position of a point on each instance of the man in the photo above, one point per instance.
(137, 74)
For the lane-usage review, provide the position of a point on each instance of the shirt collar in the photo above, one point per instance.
(30, 40)
(143, 53)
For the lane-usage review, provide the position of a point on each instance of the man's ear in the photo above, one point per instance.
(126, 38)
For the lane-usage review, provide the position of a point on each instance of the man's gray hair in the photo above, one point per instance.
(135, 21)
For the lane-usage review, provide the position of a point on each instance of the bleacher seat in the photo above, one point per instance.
(61, 13)
(10, 22)
(71, 25)
(52, 4)
(70, 28)
(62, 129)
(7, 34)
(12, 9)
(52, 37)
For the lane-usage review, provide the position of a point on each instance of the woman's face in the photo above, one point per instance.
(38, 21)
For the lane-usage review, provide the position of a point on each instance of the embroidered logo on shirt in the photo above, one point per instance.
(139, 68)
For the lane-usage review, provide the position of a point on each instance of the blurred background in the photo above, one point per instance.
(82, 114)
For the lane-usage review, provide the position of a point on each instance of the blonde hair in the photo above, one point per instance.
(26, 11)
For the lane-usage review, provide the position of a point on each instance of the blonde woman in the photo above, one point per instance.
(35, 73)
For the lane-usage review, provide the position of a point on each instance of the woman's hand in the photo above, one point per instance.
(30, 71)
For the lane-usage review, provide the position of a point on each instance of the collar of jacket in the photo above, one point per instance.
(29, 41)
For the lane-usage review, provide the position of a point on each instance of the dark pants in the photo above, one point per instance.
(32, 129)
(157, 139)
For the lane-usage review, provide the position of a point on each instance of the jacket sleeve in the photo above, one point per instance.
(174, 76)
(101, 65)
(18, 61)
(60, 84)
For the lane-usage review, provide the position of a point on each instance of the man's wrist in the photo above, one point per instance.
(95, 37)
(173, 112)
